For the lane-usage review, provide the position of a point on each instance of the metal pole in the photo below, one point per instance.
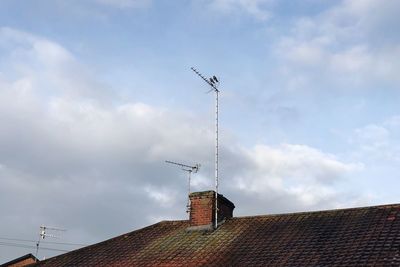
(42, 234)
(37, 248)
(188, 201)
(213, 82)
(216, 159)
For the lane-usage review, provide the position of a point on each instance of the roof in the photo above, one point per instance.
(346, 237)
(26, 259)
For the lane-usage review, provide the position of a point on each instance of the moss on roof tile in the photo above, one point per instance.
(368, 236)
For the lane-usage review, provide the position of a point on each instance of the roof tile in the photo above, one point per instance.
(367, 236)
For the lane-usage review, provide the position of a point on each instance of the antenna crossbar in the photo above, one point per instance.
(52, 228)
(194, 168)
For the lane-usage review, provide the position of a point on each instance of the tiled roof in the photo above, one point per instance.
(367, 236)
(21, 261)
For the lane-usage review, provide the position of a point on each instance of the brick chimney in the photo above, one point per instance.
(202, 210)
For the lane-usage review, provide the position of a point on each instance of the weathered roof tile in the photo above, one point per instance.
(367, 236)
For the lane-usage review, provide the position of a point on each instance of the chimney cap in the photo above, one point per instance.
(211, 193)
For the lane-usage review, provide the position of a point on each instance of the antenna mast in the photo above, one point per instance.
(188, 169)
(43, 234)
(214, 83)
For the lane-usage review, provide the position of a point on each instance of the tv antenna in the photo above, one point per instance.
(43, 233)
(189, 170)
(214, 83)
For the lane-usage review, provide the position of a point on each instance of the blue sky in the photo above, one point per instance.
(96, 94)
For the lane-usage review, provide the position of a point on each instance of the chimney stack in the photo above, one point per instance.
(202, 210)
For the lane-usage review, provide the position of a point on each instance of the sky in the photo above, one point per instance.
(95, 95)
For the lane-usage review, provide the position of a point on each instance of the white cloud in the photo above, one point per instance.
(345, 42)
(374, 135)
(164, 197)
(256, 8)
(378, 142)
(33, 48)
(393, 122)
(298, 171)
(38, 64)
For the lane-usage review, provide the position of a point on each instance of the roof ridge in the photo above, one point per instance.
(173, 221)
(318, 211)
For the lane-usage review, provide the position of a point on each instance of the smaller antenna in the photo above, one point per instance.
(43, 234)
(188, 169)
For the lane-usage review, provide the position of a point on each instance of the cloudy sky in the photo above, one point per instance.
(96, 94)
